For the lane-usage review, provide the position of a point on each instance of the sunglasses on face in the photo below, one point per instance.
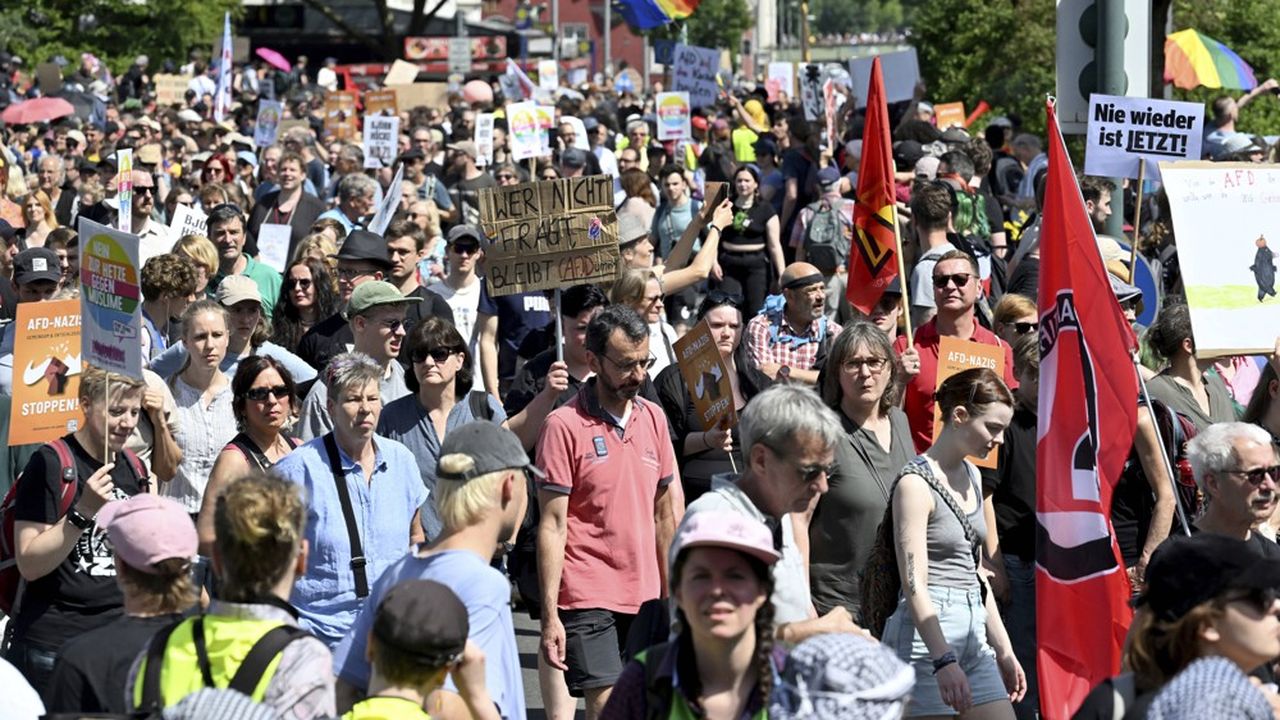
(143, 190)
(506, 178)
(262, 394)
(811, 473)
(958, 279)
(1022, 328)
(438, 354)
(466, 249)
(392, 324)
(304, 283)
(1261, 599)
(1257, 475)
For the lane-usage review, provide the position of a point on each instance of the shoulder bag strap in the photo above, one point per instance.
(358, 561)
(261, 655)
(250, 449)
(152, 700)
(969, 535)
(202, 652)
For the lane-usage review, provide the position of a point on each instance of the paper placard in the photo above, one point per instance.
(171, 89)
(781, 78)
(267, 127)
(674, 116)
(949, 115)
(1125, 131)
(110, 299)
(340, 114)
(401, 73)
(548, 75)
(706, 376)
(549, 234)
(390, 202)
(381, 133)
(49, 78)
(46, 372)
(901, 72)
(273, 245)
(187, 220)
(956, 355)
(459, 55)
(380, 102)
(124, 189)
(693, 70)
(546, 120)
(524, 135)
(484, 139)
(811, 91)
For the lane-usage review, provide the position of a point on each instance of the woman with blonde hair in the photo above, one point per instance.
(201, 251)
(318, 245)
(37, 214)
(1014, 316)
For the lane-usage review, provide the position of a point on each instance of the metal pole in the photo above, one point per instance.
(608, 38)
(648, 61)
(1112, 80)
(555, 29)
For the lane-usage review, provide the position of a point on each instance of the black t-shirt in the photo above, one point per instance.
(995, 214)
(81, 593)
(466, 197)
(518, 315)
(748, 226)
(1025, 279)
(1013, 487)
(1100, 704)
(93, 669)
(327, 338)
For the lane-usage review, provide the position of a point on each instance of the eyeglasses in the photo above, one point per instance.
(353, 273)
(959, 279)
(262, 394)
(1022, 328)
(304, 283)
(465, 249)
(875, 365)
(1257, 475)
(439, 354)
(810, 473)
(392, 324)
(504, 177)
(631, 367)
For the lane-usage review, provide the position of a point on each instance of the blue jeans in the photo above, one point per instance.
(1020, 622)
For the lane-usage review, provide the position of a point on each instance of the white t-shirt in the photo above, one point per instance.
(465, 304)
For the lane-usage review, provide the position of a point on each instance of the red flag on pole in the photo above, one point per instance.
(873, 261)
(1088, 413)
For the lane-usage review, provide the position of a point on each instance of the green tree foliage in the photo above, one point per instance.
(844, 16)
(116, 31)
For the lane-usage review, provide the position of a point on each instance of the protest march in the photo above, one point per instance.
(500, 379)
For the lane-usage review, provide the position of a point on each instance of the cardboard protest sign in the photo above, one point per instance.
(170, 89)
(390, 201)
(781, 78)
(187, 221)
(549, 234)
(401, 73)
(124, 189)
(693, 70)
(484, 139)
(1124, 132)
(380, 102)
(110, 299)
(956, 355)
(949, 114)
(46, 351)
(1225, 216)
(706, 376)
(674, 116)
(523, 133)
(49, 78)
(267, 127)
(548, 75)
(381, 133)
(340, 114)
(811, 91)
(423, 94)
(901, 71)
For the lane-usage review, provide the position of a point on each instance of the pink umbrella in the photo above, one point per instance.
(274, 59)
(38, 110)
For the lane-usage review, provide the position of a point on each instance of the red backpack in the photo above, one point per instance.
(11, 582)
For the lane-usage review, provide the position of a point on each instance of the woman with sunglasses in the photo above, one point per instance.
(263, 400)
(309, 294)
(751, 248)
(443, 368)
(1014, 316)
(507, 174)
(945, 623)
(642, 290)
(703, 454)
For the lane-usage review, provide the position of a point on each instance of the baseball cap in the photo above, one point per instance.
(828, 176)
(630, 229)
(77, 136)
(465, 232)
(188, 116)
(590, 123)
(927, 167)
(7, 233)
(491, 447)
(699, 122)
(1123, 290)
(366, 246)
(247, 158)
(907, 153)
(1001, 121)
(36, 264)
(376, 293)
(412, 154)
(955, 134)
(424, 620)
(236, 289)
(466, 147)
(1187, 571)
(146, 529)
(724, 529)
(923, 106)
(573, 158)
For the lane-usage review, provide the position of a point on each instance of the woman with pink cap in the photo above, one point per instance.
(721, 663)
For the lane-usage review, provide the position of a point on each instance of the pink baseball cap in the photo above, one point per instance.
(726, 529)
(146, 529)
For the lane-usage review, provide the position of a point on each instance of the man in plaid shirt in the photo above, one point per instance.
(791, 335)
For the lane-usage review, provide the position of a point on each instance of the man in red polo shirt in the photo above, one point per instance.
(610, 504)
(955, 292)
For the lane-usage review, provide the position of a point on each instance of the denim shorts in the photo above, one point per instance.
(964, 623)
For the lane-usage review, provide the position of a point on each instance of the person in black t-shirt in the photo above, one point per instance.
(68, 567)
(154, 541)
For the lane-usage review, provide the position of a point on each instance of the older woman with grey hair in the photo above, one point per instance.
(862, 384)
(364, 493)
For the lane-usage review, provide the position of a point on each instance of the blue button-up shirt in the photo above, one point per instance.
(326, 595)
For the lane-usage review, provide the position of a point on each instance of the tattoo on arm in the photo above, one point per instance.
(911, 574)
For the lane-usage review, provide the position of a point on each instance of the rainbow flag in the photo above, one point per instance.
(649, 14)
(678, 9)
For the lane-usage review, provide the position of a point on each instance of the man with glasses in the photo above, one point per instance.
(153, 238)
(227, 226)
(606, 451)
(955, 291)
(474, 313)
(789, 340)
(363, 259)
(1236, 467)
(788, 443)
(376, 313)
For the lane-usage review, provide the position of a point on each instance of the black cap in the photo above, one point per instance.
(36, 264)
(366, 246)
(1187, 571)
(573, 158)
(423, 620)
(906, 154)
(491, 447)
(7, 232)
(460, 232)
(412, 154)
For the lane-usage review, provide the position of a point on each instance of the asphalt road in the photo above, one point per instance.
(527, 635)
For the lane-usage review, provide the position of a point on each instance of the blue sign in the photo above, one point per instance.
(663, 50)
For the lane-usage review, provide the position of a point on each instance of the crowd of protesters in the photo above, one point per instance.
(333, 484)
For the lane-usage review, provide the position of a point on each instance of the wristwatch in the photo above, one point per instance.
(75, 518)
(948, 658)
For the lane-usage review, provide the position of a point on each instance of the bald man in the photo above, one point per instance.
(790, 339)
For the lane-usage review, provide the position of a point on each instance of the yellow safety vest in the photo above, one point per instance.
(386, 708)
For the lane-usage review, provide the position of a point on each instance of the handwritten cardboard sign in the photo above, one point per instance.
(1125, 132)
(171, 89)
(380, 102)
(956, 355)
(693, 70)
(340, 114)
(46, 372)
(549, 234)
(423, 94)
(706, 376)
(949, 114)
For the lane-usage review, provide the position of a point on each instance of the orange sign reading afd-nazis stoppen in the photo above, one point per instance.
(46, 372)
(549, 234)
(956, 355)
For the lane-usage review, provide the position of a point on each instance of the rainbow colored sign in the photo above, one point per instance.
(674, 115)
(110, 299)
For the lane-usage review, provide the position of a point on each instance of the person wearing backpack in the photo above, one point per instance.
(249, 639)
(57, 573)
(823, 233)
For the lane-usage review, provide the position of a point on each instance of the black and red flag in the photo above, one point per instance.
(873, 257)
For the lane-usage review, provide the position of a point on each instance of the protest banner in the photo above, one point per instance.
(956, 355)
(340, 114)
(267, 127)
(901, 72)
(674, 116)
(546, 115)
(381, 133)
(781, 78)
(706, 376)
(549, 234)
(663, 51)
(110, 299)
(380, 102)
(46, 350)
(524, 134)
(124, 189)
(170, 89)
(390, 202)
(423, 94)
(548, 75)
(949, 114)
(187, 220)
(401, 73)
(1222, 213)
(811, 91)
(693, 70)
(1124, 133)
(484, 139)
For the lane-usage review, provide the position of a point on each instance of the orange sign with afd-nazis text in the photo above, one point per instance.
(956, 355)
(46, 372)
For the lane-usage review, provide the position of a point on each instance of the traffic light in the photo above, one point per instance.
(1079, 35)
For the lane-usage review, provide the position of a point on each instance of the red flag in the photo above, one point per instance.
(873, 255)
(1088, 414)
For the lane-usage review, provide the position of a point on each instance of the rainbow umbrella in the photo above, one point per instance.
(1192, 59)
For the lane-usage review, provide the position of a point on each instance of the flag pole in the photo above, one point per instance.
(902, 277)
(1137, 220)
(1164, 457)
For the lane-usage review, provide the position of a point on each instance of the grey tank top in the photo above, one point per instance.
(950, 555)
